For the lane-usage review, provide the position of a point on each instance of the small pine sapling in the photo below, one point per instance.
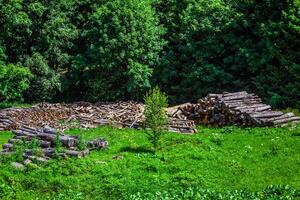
(155, 115)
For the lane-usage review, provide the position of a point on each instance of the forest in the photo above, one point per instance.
(150, 99)
(64, 50)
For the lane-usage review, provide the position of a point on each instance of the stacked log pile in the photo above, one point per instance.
(47, 139)
(80, 115)
(238, 108)
(84, 115)
(183, 126)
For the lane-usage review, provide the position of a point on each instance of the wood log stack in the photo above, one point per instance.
(47, 139)
(183, 126)
(83, 115)
(239, 108)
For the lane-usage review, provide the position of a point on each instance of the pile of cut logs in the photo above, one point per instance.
(84, 115)
(47, 139)
(239, 108)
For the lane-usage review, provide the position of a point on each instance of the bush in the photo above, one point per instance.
(14, 80)
(155, 115)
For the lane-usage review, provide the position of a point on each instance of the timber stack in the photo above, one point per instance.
(239, 108)
(50, 143)
(84, 115)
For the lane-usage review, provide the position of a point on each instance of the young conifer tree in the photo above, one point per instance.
(155, 115)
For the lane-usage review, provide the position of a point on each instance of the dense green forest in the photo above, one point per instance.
(67, 50)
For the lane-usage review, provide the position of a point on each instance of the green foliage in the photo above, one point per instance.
(112, 50)
(293, 110)
(19, 149)
(81, 144)
(184, 165)
(58, 146)
(155, 115)
(5, 136)
(14, 80)
(215, 46)
(123, 43)
(271, 192)
(45, 83)
(40, 35)
(4, 105)
(35, 146)
(193, 63)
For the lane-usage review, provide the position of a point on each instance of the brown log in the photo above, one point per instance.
(14, 140)
(8, 146)
(249, 106)
(77, 154)
(287, 115)
(22, 133)
(267, 114)
(45, 144)
(49, 130)
(237, 97)
(286, 120)
(67, 141)
(235, 93)
(24, 138)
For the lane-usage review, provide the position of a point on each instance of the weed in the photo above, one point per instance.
(81, 144)
(217, 139)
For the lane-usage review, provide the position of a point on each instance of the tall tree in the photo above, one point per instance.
(124, 40)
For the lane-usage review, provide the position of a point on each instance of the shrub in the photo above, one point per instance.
(14, 80)
(81, 144)
(155, 115)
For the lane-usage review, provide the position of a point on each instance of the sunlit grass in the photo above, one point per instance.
(218, 159)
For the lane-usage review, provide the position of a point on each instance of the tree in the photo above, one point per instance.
(124, 42)
(216, 46)
(155, 115)
(39, 32)
(45, 82)
(199, 35)
(14, 80)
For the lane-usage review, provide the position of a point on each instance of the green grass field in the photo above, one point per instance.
(214, 159)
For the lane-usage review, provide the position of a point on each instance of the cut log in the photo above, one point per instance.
(49, 130)
(77, 154)
(287, 115)
(8, 146)
(67, 141)
(45, 144)
(22, 133)
(14, 140)
(286, 120)
(267, 114)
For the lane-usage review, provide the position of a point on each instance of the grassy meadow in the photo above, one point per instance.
(215, 163)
